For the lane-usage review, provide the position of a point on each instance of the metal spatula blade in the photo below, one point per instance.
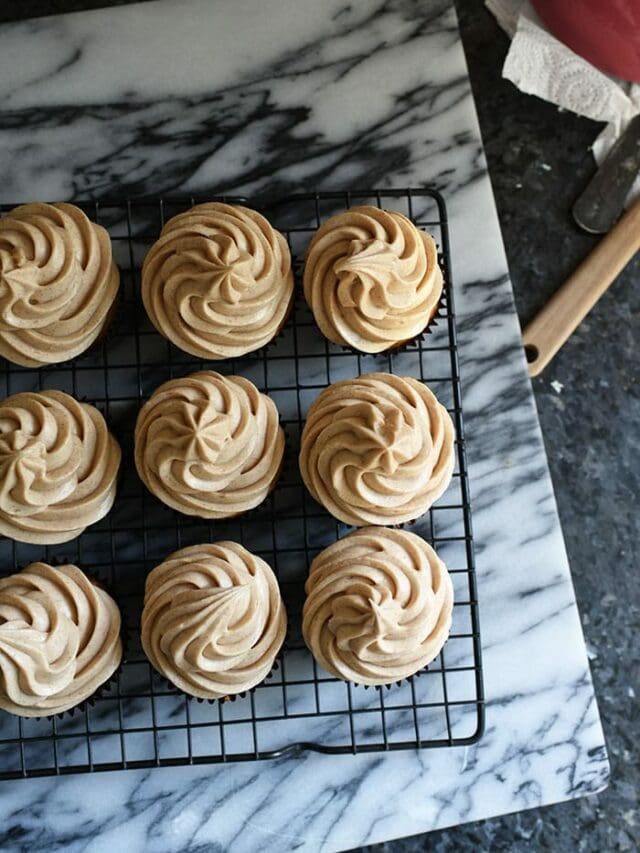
(600, 205)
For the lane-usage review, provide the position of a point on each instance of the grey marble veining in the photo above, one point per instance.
(171, 96)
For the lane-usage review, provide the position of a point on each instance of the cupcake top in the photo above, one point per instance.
(378, 449)
(58, 283)
(372, 279)
(59, 639)
(378, 606)
(209, 445)
(58, 467)
(218, 283)
(213, 620)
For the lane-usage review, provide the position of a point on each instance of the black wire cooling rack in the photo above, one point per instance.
(140, 721)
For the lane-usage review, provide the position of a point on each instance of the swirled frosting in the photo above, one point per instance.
(378, 449)
(58, 283)
(378, 606)
(59, 639)
(58, 467)
(218, 283)
(209, 445)
(372, 279)
(213, 619)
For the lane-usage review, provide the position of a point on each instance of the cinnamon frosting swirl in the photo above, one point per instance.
(213, 620)
(378, 606)
(58, 283)
(58, 467)
(218, 283)
(209, 445)
(59, 639)
(378, 449)
(372, 279)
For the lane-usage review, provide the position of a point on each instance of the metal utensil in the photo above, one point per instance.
(596, 211)
(598, 208)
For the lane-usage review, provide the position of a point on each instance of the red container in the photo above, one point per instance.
(605, 32)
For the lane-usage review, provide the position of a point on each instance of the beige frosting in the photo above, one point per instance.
(378, 606)
(218, 283)
(58, 467)
(213, 620)
(58, 283)
(372, 279)
(378, 449)
(59, 639)
(209, 445)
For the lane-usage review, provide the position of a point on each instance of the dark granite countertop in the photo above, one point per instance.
(588, 400)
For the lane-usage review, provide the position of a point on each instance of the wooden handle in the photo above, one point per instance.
(566, 309)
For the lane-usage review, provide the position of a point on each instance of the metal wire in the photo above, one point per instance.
(141, 721)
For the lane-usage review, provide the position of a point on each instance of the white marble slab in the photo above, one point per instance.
(265, 99)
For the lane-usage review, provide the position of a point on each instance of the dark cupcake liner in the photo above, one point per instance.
(232, 697)
(119, 476)
(409, 343)
(401, 346)
(388, 685)
(112, 318)
(284, 466)
(125, 637)
(351, 528)
(408, 680)
(382, 687)
(198, 363)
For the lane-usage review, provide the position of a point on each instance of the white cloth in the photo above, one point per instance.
(539, 64)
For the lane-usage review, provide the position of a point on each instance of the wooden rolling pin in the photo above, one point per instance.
(568, 307)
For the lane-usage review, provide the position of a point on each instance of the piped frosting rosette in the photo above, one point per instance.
(213, 619)
(59, 639)
(218, 283)
(378, 607)
(378, 449)
(58, 467)
(372, 279)
(209, 445)
(58, 283)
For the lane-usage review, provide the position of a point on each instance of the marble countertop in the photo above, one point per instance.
(110, 101)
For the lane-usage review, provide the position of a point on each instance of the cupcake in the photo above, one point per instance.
(58, 467)
(58, 283)
(59, 639)
(213, 620)
(209, 445)
(378, 449)
(372, 279)
(218, 283)
(378, 606)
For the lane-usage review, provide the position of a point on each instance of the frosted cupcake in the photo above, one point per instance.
(58, 283)
(59, 639)
(378, 607)
(209, 445)
(213, 620)
(218, 283)
(58, 467)
(371, 279)
(378, 449)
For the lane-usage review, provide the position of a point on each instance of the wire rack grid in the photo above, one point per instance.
(141, 721)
